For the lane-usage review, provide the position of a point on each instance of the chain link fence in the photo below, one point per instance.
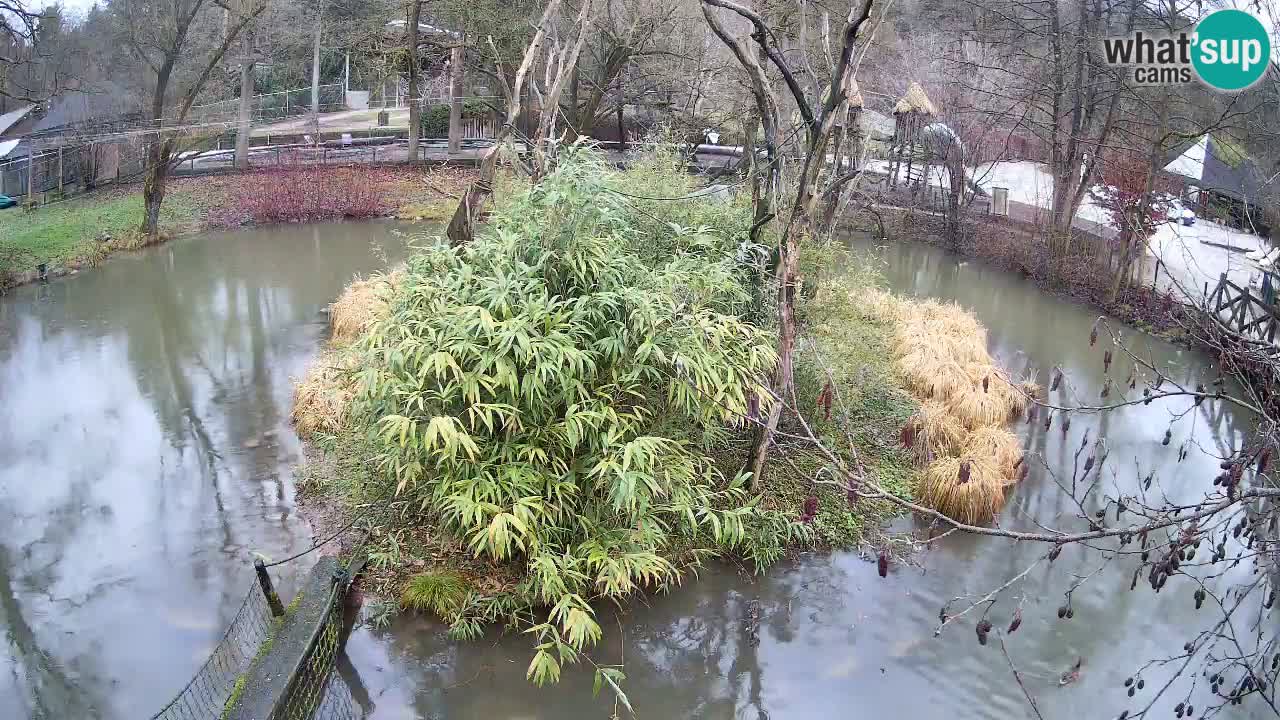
(250, 659)
(317, 691)
(215, 682)
(271, 106)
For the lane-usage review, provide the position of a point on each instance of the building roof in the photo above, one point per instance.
(12, 118)
(423, 28)
(80, 106)
(915, 101)
(1217, 165)
(876, 125)
(7, 146)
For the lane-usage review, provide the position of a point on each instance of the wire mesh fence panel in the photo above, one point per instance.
(207, 694)
(317, 691)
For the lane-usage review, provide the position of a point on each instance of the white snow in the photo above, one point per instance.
(1189, 261)
(1190, 255)
(938, 175)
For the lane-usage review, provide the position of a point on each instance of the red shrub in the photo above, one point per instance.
(1124, 184)
(302, 195)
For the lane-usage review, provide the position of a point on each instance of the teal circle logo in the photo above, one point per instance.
(1231, 50)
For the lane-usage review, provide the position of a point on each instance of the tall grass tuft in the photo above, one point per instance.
(966, 402)
(322, 396)
(440, 592)
(973, 497)
(360, 306)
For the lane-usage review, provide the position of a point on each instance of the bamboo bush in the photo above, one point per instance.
(547, 394)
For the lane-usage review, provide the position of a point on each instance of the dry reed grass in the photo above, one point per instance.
(935, 432)
(360, 306)
(976, 500)
(321, 397)
(1001, 446)
(966, 402)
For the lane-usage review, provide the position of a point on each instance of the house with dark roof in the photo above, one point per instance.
(1220, 181)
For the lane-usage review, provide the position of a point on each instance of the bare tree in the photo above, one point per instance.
(34, 64)
(415, 99)
(818, 116)
(557, 65)
(181, 43)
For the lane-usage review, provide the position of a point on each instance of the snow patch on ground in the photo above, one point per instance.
(1030, 183)
(1190, 255)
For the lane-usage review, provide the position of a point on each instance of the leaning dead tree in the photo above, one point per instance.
(819, 117)
(558, 65)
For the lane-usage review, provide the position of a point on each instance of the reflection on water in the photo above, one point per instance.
(145, 451)
(837, 641)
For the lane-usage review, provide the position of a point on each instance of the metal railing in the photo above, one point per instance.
(272, 106)
(315, 690)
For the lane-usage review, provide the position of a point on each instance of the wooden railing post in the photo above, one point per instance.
(269, 590)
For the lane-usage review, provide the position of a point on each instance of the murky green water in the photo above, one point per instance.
(146, 451)
(837, 641)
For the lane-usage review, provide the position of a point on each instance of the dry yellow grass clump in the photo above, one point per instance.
(967, 488)
(960, 432)
(321, 397)
(362, 304)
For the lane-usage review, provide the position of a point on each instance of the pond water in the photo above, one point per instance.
(835, 640)
(145, 450)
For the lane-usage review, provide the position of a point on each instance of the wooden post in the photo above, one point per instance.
(31, 174)
(1245, 302)
(59, 171)
(455, 97)
(264, 581)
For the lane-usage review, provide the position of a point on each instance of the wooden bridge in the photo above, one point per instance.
(1253, 314)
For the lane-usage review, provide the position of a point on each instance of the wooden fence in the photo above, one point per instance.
(1251, 314)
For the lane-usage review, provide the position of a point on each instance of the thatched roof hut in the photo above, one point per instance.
(915, 101)
(853, 92)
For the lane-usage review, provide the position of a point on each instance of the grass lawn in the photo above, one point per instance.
(84, 230)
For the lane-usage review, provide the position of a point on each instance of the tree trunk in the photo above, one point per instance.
(456, 58)
(315, 75)
(153, 187)
(415, 101)
(246, 103)
(462, 224)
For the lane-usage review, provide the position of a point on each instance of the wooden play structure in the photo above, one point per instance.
(912, 113)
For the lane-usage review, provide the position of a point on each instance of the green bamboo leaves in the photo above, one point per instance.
(547, 391)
